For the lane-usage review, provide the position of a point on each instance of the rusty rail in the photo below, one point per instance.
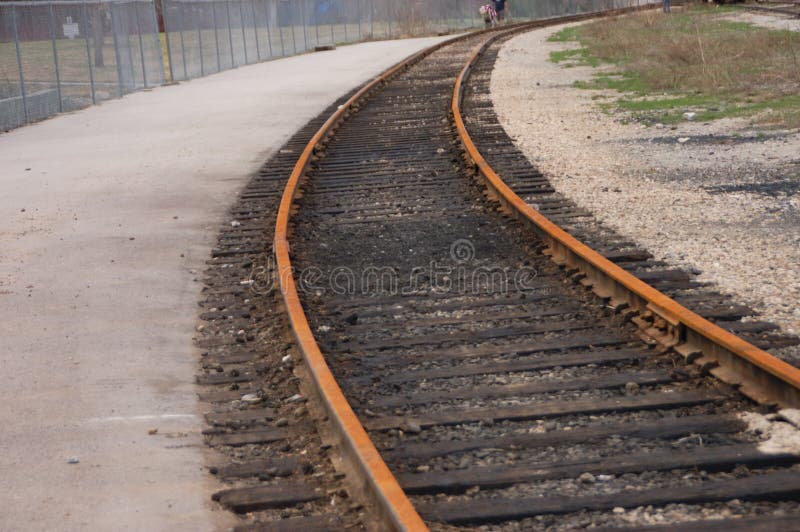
(757, 373)
(372, 479)
(377, 483)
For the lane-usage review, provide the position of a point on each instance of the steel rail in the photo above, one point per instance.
(757, 373)
(375, 481)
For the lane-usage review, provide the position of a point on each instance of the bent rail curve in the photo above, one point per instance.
(374, 477)
(760, 375)
(360, 453)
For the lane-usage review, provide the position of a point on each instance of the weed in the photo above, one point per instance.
(565, 35)
(578, 56)
(697, 59)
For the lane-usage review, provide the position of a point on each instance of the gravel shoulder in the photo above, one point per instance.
(720, 197)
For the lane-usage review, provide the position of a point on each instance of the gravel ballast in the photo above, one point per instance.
(724, 199)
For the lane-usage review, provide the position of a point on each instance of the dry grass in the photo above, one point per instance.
(696, 51)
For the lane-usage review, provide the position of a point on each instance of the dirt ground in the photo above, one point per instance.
(720, 197)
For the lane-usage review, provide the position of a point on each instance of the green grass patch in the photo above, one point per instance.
(566, 35)
(692, 59)
(575, 57)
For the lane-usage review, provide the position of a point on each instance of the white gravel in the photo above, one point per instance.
(646, 185)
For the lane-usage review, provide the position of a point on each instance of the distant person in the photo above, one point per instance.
(500, 9)
(666, 6)
(489, 15)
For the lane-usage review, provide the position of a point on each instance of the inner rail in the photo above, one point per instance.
(758, 374)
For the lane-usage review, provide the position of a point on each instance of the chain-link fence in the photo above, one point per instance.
(204, 36)
(61, 55)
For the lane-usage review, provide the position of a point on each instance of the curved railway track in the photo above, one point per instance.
(469, 377)
(791, 8)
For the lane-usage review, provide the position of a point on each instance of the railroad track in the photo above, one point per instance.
(469, 375)
(791, 8)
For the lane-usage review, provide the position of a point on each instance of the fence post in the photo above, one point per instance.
(116, 47)
(230, 34)
(130, 53)
(269, 32)
(85, 16)
(141, 47)
(166, 36)
(126, 45)
(346, 22)
(305, 33)
(358, 12)
(316, 25)
(372, 18)
(183, 48)
(291, 25)
(244, 38)
(255, 28)
(200, 44)
(330, 17)
(389, 18)
(216, 33)
(19, 63)
(166, 39)
(280, 30)
(55, 59)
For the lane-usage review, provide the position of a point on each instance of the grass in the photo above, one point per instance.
(566, 35)
(693, 60)
(575, 57)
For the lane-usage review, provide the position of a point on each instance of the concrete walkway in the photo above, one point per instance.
(106, 218)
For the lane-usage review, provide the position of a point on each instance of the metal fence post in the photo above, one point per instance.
(389, 18)
(183, 48)
(305, 33)
(255, 28)
(200, 44)
(269, 33)
(130, 54)
(19, 63)
(166, 36)
(358, 12)
(291, 24)
(216, 33)
(55, 59)
(346, 21)
(157, 35)
(141, 46)
(230, 34)
(372, 18)
(280, 30)
(316, 25)
(244, 39)
(84, 12)
(116, 46)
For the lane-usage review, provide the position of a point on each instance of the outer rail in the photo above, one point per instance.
(375, 480)
(757, 373)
